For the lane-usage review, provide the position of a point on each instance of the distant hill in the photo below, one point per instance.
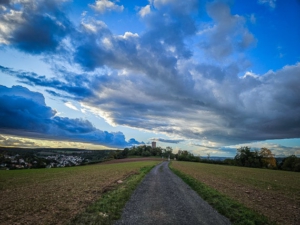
(217, 158)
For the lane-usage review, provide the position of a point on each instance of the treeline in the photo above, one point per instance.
(143, 151)
(146, 151)
(245, 156)
(263, 158)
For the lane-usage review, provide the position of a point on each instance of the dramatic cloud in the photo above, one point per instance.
(230, 110)
(24, 113)
(33, 26)
(181, 77)
(102, 6)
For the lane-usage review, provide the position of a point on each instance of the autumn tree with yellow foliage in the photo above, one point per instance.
(267, 158)
(261, 159)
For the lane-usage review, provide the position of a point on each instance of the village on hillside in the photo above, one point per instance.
(18, 158)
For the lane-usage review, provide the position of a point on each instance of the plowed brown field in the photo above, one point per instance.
(54, 196)
(275, 194)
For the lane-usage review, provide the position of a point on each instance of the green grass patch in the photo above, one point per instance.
(237, 213)
(109, 207)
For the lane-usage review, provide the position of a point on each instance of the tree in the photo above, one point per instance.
(291, 163)
(242, 156)
(246, 157)
(168, 152)
(125, 152)
(267, 158)
(184, 155)
(156, 151)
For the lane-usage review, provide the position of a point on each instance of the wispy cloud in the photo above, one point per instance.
(71, 106)
(270, 3)
(173, 141)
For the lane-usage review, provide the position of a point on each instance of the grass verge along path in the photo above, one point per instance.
(275, 194)
(54, 196)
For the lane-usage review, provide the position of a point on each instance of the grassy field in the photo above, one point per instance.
(275, 194)
(55, 196)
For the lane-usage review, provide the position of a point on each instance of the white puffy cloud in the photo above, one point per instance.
(103, 6)
(145, 11)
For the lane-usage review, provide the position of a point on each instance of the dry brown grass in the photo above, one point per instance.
(54, 196)
(275, 194)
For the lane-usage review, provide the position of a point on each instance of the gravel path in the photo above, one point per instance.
(163, 198)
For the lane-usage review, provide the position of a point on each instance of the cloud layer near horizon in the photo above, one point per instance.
(24, 113)
(160, 80)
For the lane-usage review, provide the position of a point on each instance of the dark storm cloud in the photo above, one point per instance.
(34, 26)
(24, 110)
(24, 113)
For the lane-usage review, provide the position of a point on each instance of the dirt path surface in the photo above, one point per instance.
(163, 198)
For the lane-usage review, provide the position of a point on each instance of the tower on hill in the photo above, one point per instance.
(153, 144)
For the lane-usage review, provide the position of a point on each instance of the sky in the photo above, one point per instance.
(203, 76)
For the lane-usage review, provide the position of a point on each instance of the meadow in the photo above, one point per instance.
(272, 193)
(55, 196)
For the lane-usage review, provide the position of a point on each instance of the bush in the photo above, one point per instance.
(146, 154)
(291, 163)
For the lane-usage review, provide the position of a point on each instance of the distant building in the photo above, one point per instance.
(153, 144)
